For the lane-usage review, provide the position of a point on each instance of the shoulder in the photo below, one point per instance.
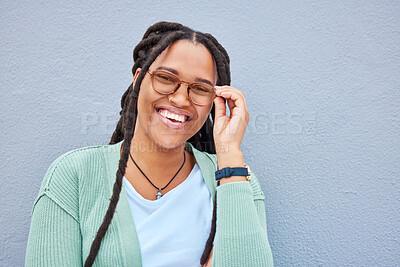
(70, 164)
(62, 180)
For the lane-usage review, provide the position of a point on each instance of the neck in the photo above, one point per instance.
(156, 155)
(157, 162)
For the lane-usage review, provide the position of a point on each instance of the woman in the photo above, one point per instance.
(171, 143)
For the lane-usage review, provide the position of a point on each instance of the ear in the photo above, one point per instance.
(136, 75)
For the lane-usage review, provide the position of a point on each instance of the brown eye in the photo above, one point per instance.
(201, 89)
(164, 78)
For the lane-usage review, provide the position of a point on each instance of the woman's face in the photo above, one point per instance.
(154, 126)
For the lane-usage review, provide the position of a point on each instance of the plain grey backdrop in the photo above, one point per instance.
(322, 83)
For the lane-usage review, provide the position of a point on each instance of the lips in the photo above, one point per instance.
(173, 117)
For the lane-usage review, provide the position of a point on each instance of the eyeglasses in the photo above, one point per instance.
(166, 83)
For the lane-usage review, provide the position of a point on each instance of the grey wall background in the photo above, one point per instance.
(322, 84)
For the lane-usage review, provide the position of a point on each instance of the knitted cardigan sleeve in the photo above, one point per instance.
(241, 235)
(46, 246)
(55, 237)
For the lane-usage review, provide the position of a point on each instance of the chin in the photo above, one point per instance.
(167, 145)
(167, 138)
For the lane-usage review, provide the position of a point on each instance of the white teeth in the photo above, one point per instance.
(165, 113)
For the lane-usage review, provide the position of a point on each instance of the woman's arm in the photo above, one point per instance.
(265, 256)
(54, 238)
(241, 235)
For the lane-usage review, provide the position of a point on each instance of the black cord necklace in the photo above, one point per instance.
(159, 194)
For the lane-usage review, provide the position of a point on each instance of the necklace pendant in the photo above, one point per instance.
(159, 194)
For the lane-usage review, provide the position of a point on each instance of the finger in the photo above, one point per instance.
(237, 103)
(231, 104)
(220, 109)
(234, 90)
(234, 108)
(229, 88)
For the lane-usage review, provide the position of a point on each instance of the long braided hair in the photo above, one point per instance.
(156, 39)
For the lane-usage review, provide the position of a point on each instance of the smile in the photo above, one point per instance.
(173, 118)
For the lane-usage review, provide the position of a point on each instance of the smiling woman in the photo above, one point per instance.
(158, 114)
(149, 198)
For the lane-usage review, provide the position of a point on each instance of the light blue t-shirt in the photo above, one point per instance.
(173, 230)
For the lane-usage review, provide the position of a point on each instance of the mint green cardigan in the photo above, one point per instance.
(75, 194)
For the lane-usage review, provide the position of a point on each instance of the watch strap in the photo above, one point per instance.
(228, 172)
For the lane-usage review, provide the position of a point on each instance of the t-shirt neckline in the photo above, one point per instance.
(180, 187)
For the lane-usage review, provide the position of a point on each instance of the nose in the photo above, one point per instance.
(181, 96)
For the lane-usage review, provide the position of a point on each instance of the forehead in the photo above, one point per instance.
(190, 60)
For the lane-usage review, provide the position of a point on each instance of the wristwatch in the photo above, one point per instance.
(238, 171)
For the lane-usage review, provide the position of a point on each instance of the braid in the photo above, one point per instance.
(219, 46)
(155, 40)
(221, 58)
(140, 50)
(210, 240)
(94, 249)
(163, 26)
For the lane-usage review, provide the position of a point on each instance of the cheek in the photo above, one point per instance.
(203, 114)
(146, 98)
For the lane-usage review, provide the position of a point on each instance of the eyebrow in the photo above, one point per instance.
(174, 71)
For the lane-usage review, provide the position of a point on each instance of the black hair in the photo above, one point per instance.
(155, 40)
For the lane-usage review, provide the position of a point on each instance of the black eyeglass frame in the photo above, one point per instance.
(179, 83)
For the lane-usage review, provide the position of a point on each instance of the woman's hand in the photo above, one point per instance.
(229, 130)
